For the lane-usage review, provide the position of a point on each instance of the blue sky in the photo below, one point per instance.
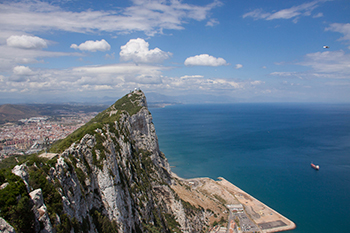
(193, 51)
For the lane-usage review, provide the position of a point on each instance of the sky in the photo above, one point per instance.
(192, 51)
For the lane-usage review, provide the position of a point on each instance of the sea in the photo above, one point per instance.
(266, 150)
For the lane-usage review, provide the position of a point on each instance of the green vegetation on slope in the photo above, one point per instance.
(129, 104)
(15, 204)
(137, 177)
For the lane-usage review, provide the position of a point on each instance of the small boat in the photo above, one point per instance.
(315, 166)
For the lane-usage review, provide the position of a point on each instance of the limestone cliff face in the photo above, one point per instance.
(112, 178)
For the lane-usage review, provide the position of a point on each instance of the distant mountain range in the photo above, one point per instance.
(11, 112)
(15, 112)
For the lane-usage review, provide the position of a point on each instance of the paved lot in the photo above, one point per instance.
(269, 225)
(246, 224)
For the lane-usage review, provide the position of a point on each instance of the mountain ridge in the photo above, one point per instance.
(108, 176)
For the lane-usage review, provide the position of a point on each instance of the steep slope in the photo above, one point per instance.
(109, 176)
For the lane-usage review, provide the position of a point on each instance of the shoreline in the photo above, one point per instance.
(262, 215)
(267, 216)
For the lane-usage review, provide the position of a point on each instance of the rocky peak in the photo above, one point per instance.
(109, 176)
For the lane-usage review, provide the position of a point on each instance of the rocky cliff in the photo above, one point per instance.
(108, 176)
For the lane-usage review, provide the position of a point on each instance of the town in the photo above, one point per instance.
(35, 134)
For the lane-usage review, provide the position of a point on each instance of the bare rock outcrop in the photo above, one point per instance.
(21, 171)
(5, 227)
(40, 210)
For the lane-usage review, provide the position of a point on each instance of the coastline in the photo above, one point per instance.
(221, 194)
(260, 213)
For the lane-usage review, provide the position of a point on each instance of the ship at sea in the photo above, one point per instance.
(315, 166)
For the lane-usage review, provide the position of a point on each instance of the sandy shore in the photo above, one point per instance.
(215, 195)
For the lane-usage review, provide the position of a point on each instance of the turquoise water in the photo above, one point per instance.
(266, 150)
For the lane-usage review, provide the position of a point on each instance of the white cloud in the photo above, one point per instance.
(331, 62)
(115, 78)
(304, 9)
(295, 75)
(238, 66)
(150, 16)
(103, 87)
(205, 60)
(12, 56)
(118, 70)
(22, 70)
(257, 14)
(93, 46)
(256, 82)
(110, 56)
(191, 76)
(319, 15)
(26, 42)
(146, 79)
(212, 22)
(137, 50)
(325, 65)
(343, 28)
(199, 82)
(284, 74)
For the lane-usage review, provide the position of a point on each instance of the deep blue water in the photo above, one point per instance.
(266, 150)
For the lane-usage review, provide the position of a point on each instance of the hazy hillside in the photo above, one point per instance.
(15, 112)
(11, 112)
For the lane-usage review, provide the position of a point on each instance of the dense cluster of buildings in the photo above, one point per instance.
(37, 133)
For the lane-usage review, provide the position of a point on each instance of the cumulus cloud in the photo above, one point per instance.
(22, 70)
(238, 66)
(26, 42)
(294, 12)
(150, 16)
(95, 78)
(205, 60)
(93, 46)
(115, 78)
(137, 50)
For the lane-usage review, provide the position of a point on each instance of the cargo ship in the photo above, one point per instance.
(315, 166)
